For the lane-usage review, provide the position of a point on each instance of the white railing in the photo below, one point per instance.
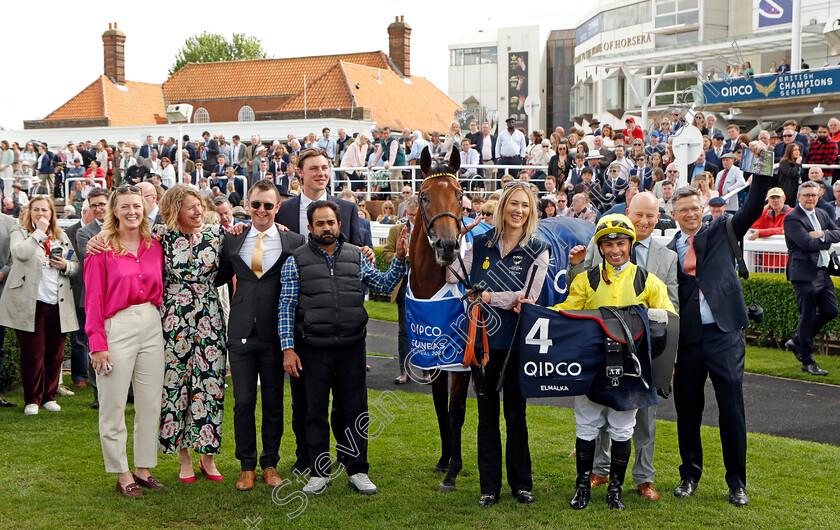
(370, 179)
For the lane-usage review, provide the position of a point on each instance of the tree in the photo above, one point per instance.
(210, 47)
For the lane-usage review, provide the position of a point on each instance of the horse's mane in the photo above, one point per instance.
(442, 168)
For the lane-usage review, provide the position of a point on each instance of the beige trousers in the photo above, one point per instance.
(135, 342)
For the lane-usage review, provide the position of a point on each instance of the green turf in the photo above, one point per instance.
(51, 476)
(382, 311)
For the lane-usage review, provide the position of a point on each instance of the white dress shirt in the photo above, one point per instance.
(272, 247)
(304, 204)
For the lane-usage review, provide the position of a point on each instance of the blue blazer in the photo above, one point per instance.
(46, 166)
(716, 275)
(289, 216)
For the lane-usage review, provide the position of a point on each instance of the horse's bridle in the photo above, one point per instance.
(429, 223)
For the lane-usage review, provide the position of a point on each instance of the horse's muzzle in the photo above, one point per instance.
(446, 251)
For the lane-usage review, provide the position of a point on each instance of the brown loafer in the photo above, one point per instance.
(132, 490)
(597, 480)
(150, 483)
(246, 481)
(271, 477)
(647, 491)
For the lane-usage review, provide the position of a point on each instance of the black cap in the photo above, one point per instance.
(511, 118)
(717, 201)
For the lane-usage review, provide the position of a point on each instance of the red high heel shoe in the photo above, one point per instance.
(215, 478)
(188, 480)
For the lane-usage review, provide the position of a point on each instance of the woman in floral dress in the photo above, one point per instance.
(194, 333)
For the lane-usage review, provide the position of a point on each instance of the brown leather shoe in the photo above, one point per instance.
(246, 481)
(132, 490)
(597, 480)
(150, 483)
(647, 491)
(80, 384)
(271, 477)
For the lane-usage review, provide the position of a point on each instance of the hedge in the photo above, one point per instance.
(775, 295)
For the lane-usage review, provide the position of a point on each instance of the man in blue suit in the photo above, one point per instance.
(809, 233)
(712, 317)
(714, 154)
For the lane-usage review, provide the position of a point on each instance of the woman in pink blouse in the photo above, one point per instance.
(124, 292)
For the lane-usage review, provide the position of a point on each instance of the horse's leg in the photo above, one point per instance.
(440, 394)
(457, 411)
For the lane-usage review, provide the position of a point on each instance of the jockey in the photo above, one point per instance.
(616, 282)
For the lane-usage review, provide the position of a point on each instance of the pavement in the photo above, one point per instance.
(777, 406)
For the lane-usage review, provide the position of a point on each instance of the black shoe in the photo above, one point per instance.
(582, 496)
(488, 500)
(813, 369)
(4, 403)
(614, 497)
(95, 404)
(686, 488)
(738, 497)
(524, 497)
(792, 347)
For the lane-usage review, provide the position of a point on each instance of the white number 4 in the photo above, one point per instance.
(538, 336)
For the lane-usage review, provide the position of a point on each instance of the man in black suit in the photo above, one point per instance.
(211, 150)
(809, 233)
(256, 257)
(712, 317)
(702, 164)
(200, 172)
(219, 167)
(315, 175)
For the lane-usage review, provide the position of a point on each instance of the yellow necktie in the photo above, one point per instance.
(256, 258)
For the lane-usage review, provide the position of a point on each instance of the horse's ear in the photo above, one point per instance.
(425, 161)
(455, 159)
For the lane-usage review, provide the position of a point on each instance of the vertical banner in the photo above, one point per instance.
(518, 87)
(774, 12)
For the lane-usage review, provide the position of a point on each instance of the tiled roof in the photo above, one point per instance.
(393, 101)
(133, 104)
(257, 77)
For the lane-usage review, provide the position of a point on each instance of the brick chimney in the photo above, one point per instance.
(114, 44)
(399, 45)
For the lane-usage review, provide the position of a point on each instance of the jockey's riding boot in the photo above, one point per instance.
(585, 455)
(618, 468)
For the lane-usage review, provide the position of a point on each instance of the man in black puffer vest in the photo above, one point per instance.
(322, 322)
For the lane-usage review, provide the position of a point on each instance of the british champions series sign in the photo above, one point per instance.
(805, 83)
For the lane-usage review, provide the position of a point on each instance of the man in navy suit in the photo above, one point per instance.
(315, 175)
(714, 154)
(146, 148)
(212, 148)
(712, 317)
(809, 233)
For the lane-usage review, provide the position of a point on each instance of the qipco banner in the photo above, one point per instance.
(436, 331)
(558, 355)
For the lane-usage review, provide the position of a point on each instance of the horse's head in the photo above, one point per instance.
(439, 214)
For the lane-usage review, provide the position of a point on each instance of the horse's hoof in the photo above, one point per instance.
(446, 488)
(441, 469)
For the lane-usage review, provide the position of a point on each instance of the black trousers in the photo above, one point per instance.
(720, 357)
(299, 404)
(343, 371)
(517, 453)
(817, 303)
(254, 358)
(509, 161)
(402, 336)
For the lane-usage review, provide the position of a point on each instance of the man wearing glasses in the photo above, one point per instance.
(712, 318)
(728, 179)
(788, 137)
(644, 173)
(809, 233)
(672, 175)
(406, 193)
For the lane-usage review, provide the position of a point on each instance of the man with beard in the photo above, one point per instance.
(823, 150)
(320, 280)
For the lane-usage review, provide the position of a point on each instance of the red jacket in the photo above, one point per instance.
(769, 224)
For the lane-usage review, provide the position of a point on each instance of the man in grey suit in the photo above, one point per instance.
(6, 224)
(661, 262)
(80, 236)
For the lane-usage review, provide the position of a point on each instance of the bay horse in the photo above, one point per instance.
(434, 246)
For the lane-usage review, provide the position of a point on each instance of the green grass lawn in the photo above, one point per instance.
(768, 361)
(51, 476)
